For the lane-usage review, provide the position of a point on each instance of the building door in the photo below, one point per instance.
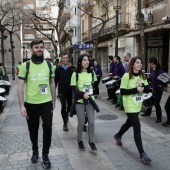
(158, 47)
(102, 57)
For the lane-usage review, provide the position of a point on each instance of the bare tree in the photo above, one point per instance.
(12, 22)
(43, 24)
(3, 13)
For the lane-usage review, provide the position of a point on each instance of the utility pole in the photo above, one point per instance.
(142, 44)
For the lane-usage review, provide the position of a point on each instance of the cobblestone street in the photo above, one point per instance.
(15, 145)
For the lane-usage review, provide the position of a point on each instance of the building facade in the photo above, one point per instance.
(69, 31)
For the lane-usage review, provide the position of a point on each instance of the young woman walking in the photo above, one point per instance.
(82, 85)
(133, 85)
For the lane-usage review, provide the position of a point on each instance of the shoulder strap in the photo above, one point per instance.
(92, 77)
(49, 66)
(27, 69)
(77, 76)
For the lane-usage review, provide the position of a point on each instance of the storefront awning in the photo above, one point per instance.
(155, 28)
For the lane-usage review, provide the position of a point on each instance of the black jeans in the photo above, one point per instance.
(133, 120)
(66, 102)
(34, 112)
(167, 109)
(96, 86)
(157, 97)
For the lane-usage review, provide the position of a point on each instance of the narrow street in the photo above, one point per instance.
(15, 145)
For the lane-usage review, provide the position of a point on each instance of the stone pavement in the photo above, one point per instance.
(15, 145)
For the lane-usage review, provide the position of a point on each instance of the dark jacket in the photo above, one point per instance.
(155, 82)
(112, 68)
(98, 70)
(86, 101)
(119, 70)
(63, 78)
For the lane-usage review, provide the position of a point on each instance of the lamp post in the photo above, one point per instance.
(117, 8)
(70, 33)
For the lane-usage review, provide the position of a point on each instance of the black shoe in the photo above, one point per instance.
(144, 115)
(121, 108)
(166, 124)
(81, 146)
(117, 105)
(46, 162)
(92, 146)
(65, 127)
(117, 139)
(158, 121)
(144, 158)
(35, 157)
(85, 128)
(114, 102)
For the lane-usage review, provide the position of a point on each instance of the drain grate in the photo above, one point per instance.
(107, 117)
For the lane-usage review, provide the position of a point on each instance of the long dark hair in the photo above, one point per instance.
(79, 63)
(155, 61)
(130, 71)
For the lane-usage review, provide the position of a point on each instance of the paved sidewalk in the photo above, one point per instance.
(15, 145)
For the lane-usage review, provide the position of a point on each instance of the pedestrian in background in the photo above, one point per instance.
(110, 74)
(63, 75)
(117, 74)
(39, 99)
(157, 87)
(82, 85)
(133, 84)
(98, 71)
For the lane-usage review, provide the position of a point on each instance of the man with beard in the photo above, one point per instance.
(39, 99)
(63, 75)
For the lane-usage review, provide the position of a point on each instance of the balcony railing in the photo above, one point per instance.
(153, 2)
(110, 26)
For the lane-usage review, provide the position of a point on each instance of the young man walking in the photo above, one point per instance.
(39, 99)
(63, 75)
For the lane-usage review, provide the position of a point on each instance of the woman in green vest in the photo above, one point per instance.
(133, 84)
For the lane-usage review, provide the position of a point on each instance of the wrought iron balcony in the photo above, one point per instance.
(110, 26)
(153, 2)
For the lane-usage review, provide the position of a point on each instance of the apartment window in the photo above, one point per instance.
(29, 36)
(75, 32)
(75, 11)
(28, 26)
(83, 26)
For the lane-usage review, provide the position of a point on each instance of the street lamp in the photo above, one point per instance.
(117, 8)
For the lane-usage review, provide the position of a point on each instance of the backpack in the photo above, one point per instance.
(28, 66)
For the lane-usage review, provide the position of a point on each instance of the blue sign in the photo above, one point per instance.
(83, 46)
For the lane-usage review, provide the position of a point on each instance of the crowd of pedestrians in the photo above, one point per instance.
(77, 90)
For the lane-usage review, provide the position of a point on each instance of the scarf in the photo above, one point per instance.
(37, 60)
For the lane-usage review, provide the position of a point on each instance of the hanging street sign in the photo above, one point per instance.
(83, 46)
